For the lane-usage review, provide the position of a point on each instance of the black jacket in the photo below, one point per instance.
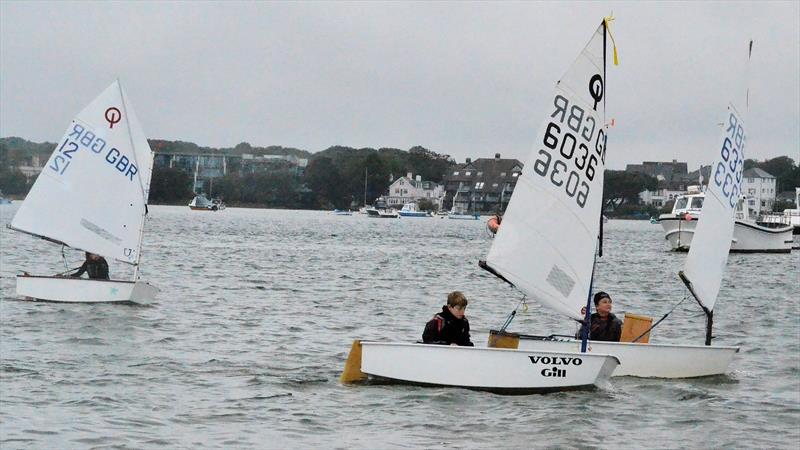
(609, 329)
(446, 329)
(97, 269)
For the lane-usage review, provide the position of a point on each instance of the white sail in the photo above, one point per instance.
(92, 193)
(711, 243)
(547, 241)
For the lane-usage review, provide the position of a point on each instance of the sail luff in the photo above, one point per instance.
(139, 177)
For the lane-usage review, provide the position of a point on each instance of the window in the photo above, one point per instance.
(479, 185)
(515, 174)
(455, 173)
(751, 202)
(494, 185)
(468, 173)
(396, 190)
(502, 174)
(749, 180)
(479, 174)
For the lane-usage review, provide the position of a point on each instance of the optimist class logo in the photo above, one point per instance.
(113, 116)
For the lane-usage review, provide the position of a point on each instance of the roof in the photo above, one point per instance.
(490, 170)
(755, 172)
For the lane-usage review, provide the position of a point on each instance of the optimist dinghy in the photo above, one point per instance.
(567, 177)
(92, 196)
(702, 273)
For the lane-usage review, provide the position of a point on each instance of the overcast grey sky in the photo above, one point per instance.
(466, 79)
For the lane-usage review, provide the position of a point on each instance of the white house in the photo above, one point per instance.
(759, 188)
(408, 189)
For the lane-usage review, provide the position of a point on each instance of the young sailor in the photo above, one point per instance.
(95, 265)
(604, 325)
(450, 326)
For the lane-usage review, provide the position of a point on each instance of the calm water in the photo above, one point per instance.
(258, 309)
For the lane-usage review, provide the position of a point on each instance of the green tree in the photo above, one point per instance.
(325, 180)
(170, 186)
(620, 187)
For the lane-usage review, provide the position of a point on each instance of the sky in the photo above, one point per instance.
(464, 79)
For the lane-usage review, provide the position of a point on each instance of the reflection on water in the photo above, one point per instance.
(258, 308)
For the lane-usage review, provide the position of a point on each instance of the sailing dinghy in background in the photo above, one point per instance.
(577, 103)
(92, 196)
(702, 272)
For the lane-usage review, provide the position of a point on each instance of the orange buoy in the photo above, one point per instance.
(494, 223)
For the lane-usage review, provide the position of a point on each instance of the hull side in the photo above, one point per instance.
(648, 360)
(747, 238)
(83, 290)
(497, 370)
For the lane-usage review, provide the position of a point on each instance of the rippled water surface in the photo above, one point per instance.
(258, 308)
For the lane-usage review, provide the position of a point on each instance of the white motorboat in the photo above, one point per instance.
(92, 196)
(412, 210)
(748, 236)
(790, 216)
(518, 259)
(201, 203)
(702, 275)
(382, 213)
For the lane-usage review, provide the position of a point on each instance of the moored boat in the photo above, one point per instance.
(748, 235)
(412, 210)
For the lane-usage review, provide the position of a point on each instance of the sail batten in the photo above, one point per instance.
(92, 192)
(546, 244)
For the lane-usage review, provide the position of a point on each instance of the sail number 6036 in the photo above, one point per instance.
(559, 174)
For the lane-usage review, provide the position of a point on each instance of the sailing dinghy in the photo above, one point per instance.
(567, 177)
(702, 272)
(92, 196)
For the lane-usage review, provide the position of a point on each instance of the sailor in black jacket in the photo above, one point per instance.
(604, 325)
(449, 327)
(95, 265)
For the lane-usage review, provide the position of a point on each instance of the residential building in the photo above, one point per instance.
(409, 189)
(483, 185)
(758, 187)
(673, 180)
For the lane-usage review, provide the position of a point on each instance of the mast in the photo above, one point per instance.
(144, 212)
(366, 171)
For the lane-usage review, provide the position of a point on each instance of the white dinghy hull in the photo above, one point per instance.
(647, 360)
(83, 290)
(492, 369)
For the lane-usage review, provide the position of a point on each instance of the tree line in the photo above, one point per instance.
(338, 177)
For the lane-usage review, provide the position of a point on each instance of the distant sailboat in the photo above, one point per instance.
(92, 195)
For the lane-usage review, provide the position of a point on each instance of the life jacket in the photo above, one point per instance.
(439, 322)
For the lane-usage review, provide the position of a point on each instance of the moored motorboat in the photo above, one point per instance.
(411, 209)
(748, 235)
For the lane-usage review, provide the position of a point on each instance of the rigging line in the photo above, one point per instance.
(660, 320)
(513, 314)
(63, 256)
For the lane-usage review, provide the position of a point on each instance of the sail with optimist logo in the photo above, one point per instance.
(546, 246)
(96, 183)
(92, 193)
